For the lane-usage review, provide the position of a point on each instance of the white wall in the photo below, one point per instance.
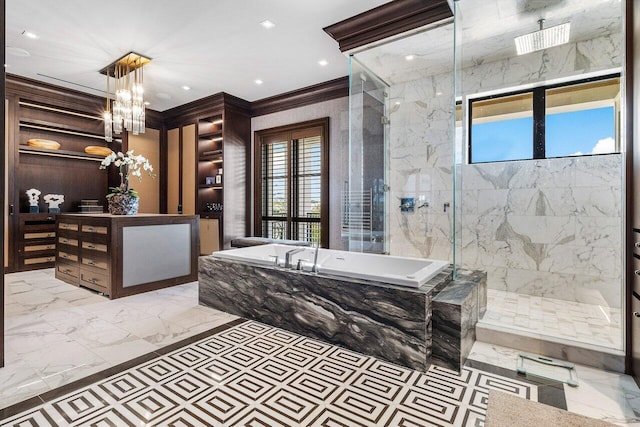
(338, 112)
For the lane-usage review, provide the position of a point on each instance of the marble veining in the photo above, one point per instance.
(56, 333)
(389, 322)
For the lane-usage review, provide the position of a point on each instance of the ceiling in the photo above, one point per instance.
(485, 32)
(210, 46)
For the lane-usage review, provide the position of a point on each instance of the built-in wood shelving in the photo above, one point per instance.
(25, 149)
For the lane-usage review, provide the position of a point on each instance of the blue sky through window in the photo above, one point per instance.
(569, 133)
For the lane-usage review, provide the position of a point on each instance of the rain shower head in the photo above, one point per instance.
(543, 38)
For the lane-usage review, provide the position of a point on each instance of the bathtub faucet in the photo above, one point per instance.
(289, 254)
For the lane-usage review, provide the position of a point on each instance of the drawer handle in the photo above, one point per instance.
(637, 272)
(65, 256)
(91, 247)
(51, 246)
(90, 229)
(95, 281)
(51, 234)
(637, 245)
(67, 271)
(93, 263)
(50, 259)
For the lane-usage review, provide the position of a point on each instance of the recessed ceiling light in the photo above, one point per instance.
(147, 103)
(185, 87)
(398, 103)
(29, 34)
(438, 93)
(323, 63)
(409, 57)
(267, 24)
(258, 81)
(16, 51)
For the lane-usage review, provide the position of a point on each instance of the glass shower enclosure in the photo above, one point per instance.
(364, 195)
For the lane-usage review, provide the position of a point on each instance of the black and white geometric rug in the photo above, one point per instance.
(257, 375)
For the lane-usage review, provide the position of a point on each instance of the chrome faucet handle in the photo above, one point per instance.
(300, 266)
(289, 254)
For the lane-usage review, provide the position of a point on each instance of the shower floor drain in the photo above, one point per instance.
(546, 367)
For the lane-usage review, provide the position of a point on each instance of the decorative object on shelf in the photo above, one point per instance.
(213, 207)
(43, 143)
(90, 206)
(98, 150)
(123, 204)
(218, 179)
(54, 201)
(210, 180)
(128, 106)
(122, 199)
(34, 195)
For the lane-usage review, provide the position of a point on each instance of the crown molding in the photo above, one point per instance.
(388, 20)
(332, 89)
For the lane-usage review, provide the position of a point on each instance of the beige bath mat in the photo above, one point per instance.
(506, 410)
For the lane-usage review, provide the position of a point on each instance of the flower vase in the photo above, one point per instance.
(123, 204)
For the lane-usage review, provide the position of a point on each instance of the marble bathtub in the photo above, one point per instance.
(390, 322)
(404, 271)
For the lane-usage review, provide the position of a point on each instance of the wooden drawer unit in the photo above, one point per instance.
(67, 272)
(69, 244)
(97, 282)
(83, 247)
(112, 254)
(36, 241)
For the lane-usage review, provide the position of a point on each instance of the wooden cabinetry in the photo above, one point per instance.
(36, 241)
(119, 255)
(213, 171)
(40, 111)
(181, 143)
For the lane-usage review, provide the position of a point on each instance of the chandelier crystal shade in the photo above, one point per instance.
(127, 110)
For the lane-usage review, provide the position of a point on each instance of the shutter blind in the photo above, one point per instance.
(291, 185)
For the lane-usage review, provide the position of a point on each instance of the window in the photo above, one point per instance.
(575, 119)
(291, 198)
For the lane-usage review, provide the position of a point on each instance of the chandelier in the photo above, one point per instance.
(127, 111)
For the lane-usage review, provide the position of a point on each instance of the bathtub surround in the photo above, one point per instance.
(456, 310)
(388, 322)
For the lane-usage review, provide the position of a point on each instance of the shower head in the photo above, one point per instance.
(544, 38)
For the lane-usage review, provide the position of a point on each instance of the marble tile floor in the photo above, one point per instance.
(248, 373)
(253, 374)
(609, 396)
(592, 324)
(56, 333)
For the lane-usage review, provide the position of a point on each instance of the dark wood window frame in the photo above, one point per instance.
(265, 134)
(539, 116)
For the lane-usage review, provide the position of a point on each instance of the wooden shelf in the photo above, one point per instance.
(216, 158)
(44, 107)
(214, 186)
(25, 149)
(60, 128)
(208, 135)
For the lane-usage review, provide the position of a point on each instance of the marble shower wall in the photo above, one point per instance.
(547, 228)
(420, 164)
